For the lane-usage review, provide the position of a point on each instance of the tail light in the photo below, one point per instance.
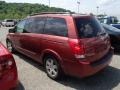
(77, 48)
(6, 63)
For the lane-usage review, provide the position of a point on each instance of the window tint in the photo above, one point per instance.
(56, 26)
(35, 25)
(20, 26)
(10, 20)
(88, 27)
(29, 25)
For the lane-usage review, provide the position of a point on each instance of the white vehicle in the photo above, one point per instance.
(8, 22)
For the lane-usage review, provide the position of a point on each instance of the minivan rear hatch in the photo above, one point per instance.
(92, 35)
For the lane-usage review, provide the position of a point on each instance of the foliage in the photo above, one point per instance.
(21, 10)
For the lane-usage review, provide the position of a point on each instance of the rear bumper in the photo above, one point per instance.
(92, 68)
(9, 80)
(85, 69)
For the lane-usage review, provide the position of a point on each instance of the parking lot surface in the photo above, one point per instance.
(33, 77)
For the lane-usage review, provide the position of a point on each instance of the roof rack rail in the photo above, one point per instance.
(52, 13)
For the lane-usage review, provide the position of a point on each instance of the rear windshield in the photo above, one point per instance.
(88, 27)
(9, 20)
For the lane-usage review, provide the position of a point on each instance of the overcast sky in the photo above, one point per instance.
(110, 7)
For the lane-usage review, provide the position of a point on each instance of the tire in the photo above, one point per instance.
(10, 46)
(53, 68)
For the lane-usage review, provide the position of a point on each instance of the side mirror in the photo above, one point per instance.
(12, 30)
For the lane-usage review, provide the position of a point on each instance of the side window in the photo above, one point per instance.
(20, 26)
(35, 25)
(29, 25)
(56, 26)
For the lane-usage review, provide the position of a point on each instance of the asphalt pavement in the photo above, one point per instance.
(33, 77)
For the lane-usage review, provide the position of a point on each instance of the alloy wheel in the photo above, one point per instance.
(51, 68)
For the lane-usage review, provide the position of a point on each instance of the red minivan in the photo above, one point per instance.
(72, 44)
(8, 70)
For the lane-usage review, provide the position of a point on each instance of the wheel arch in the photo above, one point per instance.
(49, 52)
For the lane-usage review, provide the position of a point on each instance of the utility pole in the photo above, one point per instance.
(78, 2)
(49, 3)
(97, 10)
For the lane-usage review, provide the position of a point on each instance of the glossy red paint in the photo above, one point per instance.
(79, 57)
(8, 70)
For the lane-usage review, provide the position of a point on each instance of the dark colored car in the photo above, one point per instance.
(72, 44)
(8, 70)
(116, 25)
(114, 35)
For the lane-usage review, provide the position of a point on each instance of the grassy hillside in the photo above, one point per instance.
(21, 10)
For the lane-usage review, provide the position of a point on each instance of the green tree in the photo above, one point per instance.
(21, 10)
